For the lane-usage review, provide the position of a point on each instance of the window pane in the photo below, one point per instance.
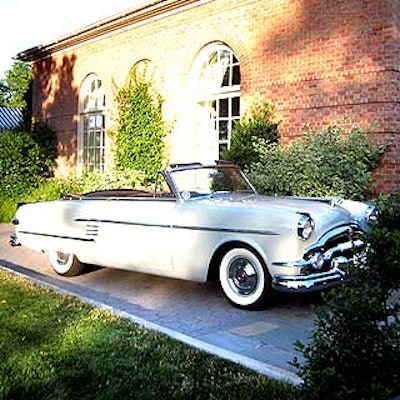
(236, 75)
(85, 139)
(99, 121)
(225, 56)
(235, 106)
(223, 130)
(97, 139)
(92, 121)
(223, 108)
(226, 81)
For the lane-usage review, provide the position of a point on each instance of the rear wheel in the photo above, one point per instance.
(244, 279)
(65, 264)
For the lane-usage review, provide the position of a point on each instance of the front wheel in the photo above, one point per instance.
(65, 264)
(244, 279)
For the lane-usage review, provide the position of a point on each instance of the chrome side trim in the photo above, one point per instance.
(56, 236)
(193, 228)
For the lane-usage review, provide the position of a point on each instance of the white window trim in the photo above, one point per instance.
(82, 113)
(222, 92)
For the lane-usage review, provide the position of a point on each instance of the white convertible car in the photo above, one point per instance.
(201, 223)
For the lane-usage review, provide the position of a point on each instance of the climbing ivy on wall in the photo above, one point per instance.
(139, 140)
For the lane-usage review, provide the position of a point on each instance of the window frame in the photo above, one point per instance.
(210, 94)
(92, 106)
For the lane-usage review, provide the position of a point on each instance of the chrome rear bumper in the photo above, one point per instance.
(14, 242)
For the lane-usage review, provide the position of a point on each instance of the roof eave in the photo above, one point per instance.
(146, 11)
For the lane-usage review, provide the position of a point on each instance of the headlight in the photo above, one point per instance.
(305, 227)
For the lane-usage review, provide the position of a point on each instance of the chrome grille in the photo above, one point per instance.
(337, 248)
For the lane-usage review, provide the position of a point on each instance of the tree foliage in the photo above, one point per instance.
(15, 88)
(139, 140)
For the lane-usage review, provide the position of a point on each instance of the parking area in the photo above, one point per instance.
(196, 314)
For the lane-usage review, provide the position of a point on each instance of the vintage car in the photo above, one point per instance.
(202, 222)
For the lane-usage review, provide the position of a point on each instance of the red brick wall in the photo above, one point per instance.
(318, 61)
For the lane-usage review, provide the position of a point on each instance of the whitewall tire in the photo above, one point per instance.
(244, 279)
(65, 264)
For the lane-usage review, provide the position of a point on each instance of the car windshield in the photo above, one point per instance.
(210, 180)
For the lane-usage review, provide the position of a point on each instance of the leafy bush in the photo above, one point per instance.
(324, 163)
(25, 156)
(8, 207)
(139, 140)
(47, 141)
(355, 346)
(20, 162)
(256, 128)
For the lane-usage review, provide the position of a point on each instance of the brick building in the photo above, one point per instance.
(318, 61)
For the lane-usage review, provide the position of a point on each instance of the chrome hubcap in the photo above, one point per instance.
(242, 276)
(62, 258)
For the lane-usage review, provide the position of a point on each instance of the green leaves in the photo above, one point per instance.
(139, 141)
(250, 134)
(25, 157)
(14, 88)
(354, 349)
(324, 163)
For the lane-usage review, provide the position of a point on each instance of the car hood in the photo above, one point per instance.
(325, 212)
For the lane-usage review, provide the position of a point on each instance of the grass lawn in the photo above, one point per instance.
(57, 347)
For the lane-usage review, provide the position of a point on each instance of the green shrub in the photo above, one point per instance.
(47, 141)
(324, 163)
(8, 206)
(19, 160)
(139, 140)
(354, 351)
(25, 157)
(256, 128)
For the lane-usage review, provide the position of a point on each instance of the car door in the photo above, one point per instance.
(131, 233)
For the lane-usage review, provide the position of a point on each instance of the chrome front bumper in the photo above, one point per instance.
(309, 283)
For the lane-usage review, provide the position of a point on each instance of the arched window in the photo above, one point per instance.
(91, 141)
(219, 89)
